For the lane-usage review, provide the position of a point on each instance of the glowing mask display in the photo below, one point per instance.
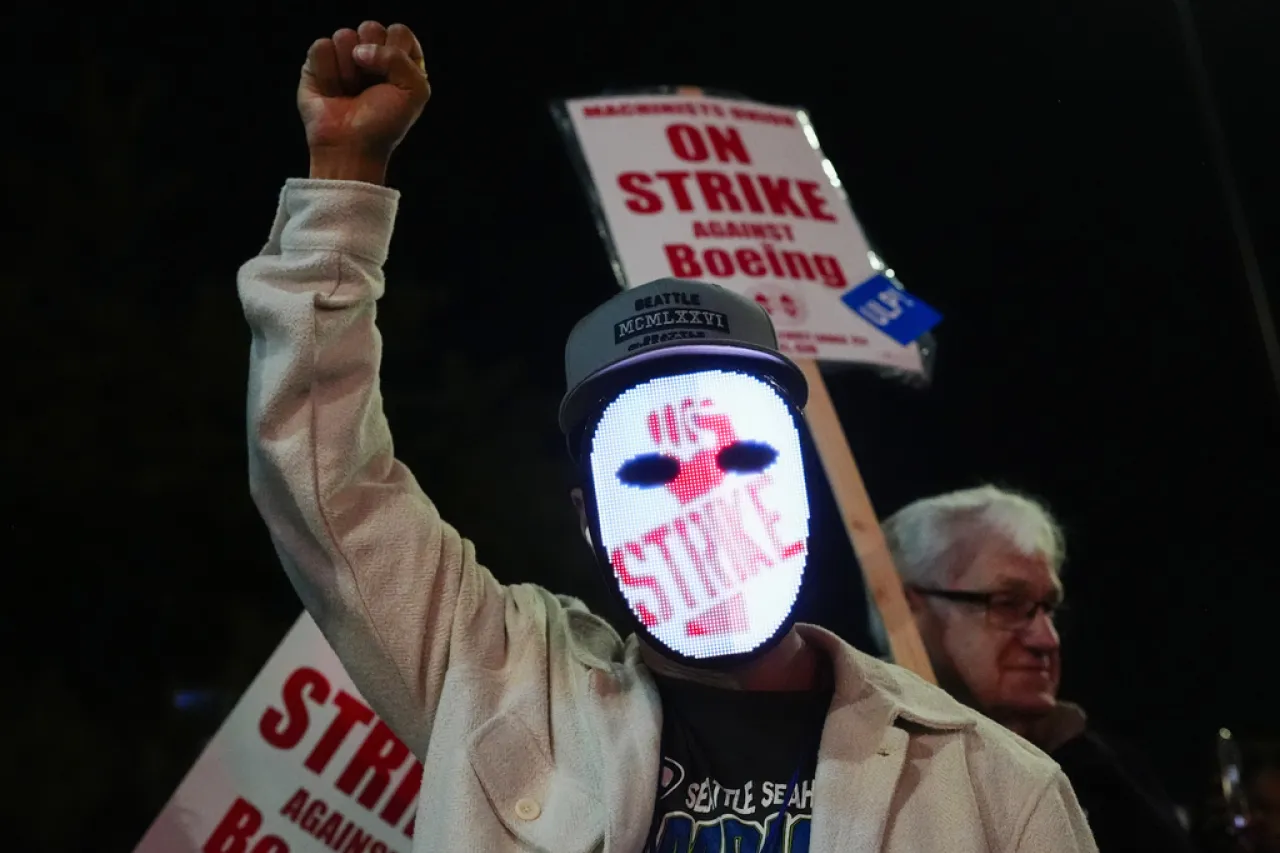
(702, 509)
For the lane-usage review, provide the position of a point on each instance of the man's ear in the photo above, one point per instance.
(580, 504)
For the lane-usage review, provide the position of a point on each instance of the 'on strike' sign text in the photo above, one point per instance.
(738, 194)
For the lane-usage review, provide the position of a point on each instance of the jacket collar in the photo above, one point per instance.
(861, 757)
(881, 692)
(865, 742)
(885, 693)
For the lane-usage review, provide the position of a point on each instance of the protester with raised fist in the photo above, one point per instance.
(719, 723)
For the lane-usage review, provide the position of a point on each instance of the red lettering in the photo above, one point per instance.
(346, 830)
(381, 754)
(717, 190)
(309, 818)
(406, 793)
(408, 829)
(777, 192)
(748, 114)
(709, 570)
(727, 144)
(770, 519)
(814, 201)
(378, 847)
(721, 191)
(830, 270)
(718, 262)
(675, 181)
(773, 259)
(750, 263)
(617, 110)
(643, 200)
(655, 428)
(270, 844)
(359, 841)
(768, 231)
(749, 192)
(313, 814)
(658, 539)
(744, 553)
(237, 826)
(293, 808)
(686, 143)
(683, 260)
(669, 413)
(303, 679)
(797, 265)
(688, 417)
(647, 581)
(329, 831)
(686, 262)
(350, 711)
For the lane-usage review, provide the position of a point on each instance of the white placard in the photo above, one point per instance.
(301, 764)
(736, 193)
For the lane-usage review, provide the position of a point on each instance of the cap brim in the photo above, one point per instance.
(583, 398)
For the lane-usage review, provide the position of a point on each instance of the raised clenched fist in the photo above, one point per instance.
(360, 92)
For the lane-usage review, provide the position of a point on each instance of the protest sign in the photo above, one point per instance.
(739, 193)
(301, 764)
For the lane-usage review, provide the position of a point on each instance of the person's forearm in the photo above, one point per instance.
(385, 578)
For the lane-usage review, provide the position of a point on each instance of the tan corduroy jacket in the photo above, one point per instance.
(537, 725)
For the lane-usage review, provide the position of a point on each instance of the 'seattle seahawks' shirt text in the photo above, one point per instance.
(727, 759)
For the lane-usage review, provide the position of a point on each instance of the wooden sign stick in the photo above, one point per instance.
(859, 516)
(862, 526)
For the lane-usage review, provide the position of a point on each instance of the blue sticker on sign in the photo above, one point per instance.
(890, 309)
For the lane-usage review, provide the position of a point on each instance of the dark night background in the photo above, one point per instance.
(1039, 171)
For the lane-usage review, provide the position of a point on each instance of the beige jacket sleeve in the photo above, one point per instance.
(397, 592)
(1055, 823)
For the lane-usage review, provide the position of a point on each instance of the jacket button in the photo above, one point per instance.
(527, 809)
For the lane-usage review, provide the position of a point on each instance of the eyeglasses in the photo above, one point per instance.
(1005, 610)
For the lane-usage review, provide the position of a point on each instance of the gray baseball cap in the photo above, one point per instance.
(664, 318)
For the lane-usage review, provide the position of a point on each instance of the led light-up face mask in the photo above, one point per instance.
(701, 510)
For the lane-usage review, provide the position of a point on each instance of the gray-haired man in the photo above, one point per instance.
(982, 574)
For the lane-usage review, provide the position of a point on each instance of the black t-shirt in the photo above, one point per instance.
(728, 759)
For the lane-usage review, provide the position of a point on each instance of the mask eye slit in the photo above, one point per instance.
(746, 457)
(649, 470)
